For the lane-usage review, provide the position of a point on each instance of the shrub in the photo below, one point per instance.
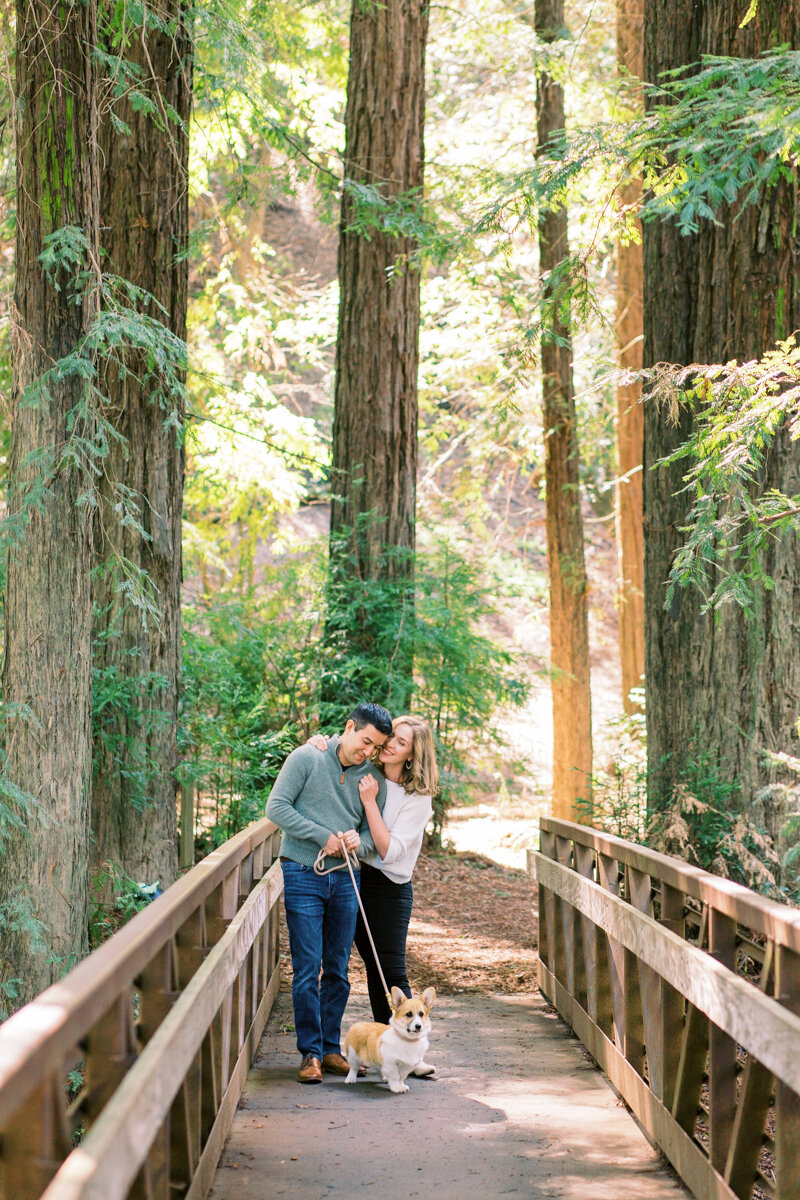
(264, 669)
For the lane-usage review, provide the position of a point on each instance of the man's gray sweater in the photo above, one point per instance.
(315, 796)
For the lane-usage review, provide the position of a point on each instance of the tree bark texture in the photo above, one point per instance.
(569, 632)
(377, 352)
(47, 661)
(729, 686)
(144, 205)
(629, 422)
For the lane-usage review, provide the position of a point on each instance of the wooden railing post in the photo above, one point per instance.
(187, 826)
(634, 1008)
(671, 1004)
(787, 1102)
(721, 1050)
(156, 996)
(546, 909)
(110, 1050)
(748, 1125)
(566, 925)
(692, 1059)
(37, 1143)
(595, 964)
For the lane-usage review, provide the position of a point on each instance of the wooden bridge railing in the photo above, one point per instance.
(685, 988)
(152, 1035)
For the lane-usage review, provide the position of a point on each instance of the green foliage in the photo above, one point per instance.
(115, 898)
(728, 130)
(121, 724)
(246, 692)
(721, 838)
(619, 791)
(705, 821)
(123, 336)
(259, 677)
(17, 918)
(780, 801)
(738, 410)
(67, 252)
(461, 675)
(18, 808)
(370, 619)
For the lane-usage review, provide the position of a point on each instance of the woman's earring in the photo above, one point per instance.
(409, 763)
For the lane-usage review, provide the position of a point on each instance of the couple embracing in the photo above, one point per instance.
(372, 786)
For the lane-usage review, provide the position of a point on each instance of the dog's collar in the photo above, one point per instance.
(409, 1037)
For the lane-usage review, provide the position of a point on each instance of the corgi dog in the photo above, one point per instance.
(394, 1049)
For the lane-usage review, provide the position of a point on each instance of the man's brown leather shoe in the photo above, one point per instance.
(335, 1064)
(310, 1070)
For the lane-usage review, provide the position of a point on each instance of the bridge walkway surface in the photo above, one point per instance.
(517, 1109)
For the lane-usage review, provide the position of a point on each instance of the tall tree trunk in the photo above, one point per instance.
(377, 350)
(629, 422)
(47, 663)
(144, 204)
(569, 632)
(724, 687)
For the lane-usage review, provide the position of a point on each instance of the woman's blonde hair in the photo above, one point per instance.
(420, 773)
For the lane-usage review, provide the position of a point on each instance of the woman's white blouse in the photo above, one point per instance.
(405, 816)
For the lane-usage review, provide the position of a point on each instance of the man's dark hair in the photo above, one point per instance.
(371, 714)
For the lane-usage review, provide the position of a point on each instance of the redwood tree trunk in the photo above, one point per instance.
(377, 351)
(725, 687)
(629, 422)
(47, 662)
(144, 204)
(569, 633)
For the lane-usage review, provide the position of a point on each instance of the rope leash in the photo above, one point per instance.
(320, 870)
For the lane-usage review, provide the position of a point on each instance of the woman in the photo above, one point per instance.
(408, 760)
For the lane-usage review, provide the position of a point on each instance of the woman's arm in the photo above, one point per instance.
(408, 829)
(368, 791)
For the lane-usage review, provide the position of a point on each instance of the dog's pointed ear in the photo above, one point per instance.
(429, 998)
(398, 997)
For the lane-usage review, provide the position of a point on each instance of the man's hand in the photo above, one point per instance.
(333, 846)
(318, 741)
(367, 788)
(351, 840)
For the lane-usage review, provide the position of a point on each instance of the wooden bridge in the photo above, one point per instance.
(123, 1079)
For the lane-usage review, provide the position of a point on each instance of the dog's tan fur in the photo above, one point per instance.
(394, 1049)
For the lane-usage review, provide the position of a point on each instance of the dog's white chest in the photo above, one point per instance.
(405, 1052)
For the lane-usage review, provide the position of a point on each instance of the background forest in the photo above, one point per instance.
(284, 428)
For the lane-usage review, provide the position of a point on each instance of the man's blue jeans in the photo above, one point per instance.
(321, 913)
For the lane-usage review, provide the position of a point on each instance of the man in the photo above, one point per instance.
(314, 799)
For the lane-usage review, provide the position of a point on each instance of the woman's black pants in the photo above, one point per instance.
(388, 908)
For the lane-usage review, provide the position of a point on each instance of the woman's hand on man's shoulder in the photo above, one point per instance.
(318, 741)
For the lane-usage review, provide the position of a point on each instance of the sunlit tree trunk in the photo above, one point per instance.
(726, 687)
(47, 662)
(569, 634)
(629, 422)
(144, 204)
(377, 351)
